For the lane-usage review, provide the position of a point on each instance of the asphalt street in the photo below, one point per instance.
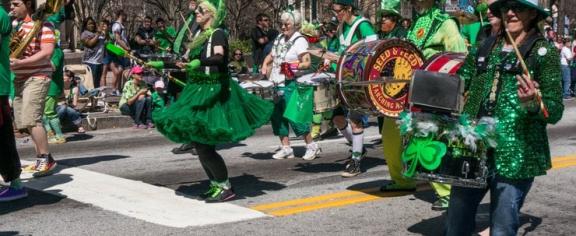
(146, 182)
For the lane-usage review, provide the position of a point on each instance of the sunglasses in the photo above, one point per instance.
(237, 54)
(200, 10)
(265, 20)
(338, 11)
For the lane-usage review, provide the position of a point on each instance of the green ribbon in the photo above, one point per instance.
(425, 152)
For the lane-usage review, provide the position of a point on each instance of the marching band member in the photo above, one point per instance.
(289, 50)
(499, 87)
(33, 71)
(212, 109)
(352, 29)
(432, 32)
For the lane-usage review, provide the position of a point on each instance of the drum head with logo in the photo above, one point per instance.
(370, 61)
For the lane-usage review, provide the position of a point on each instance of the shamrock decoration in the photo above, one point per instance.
(425, 151)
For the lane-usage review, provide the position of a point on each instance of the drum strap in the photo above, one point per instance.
(482, 58)
(209, 51)
(348, 40)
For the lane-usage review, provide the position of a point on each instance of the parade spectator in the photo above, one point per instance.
(573, 70)
(566, 57)
(158, 96)
(238, 65)
(136, 101)
(164, 35)
(262, 38)
(93, 39)
(120, 38)
(407, 23)
(104, 27)
(145, 37)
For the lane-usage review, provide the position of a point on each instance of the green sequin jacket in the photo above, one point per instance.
(523, 150)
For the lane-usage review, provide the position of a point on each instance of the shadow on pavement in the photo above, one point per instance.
(229, 146)
(244, 186)
(79, 137)
(436, 225)
(83, 161)
(336, 166)
(37, 198)
(11, 233)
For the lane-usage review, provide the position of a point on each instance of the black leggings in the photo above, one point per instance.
(9, 159)
(212, 162)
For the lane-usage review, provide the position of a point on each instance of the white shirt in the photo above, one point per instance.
(286, 51)
(117, 27)
(566, 56)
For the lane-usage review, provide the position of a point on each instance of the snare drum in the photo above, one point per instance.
(367, 61)
(442, 156)
(262, 88)
(325, 98)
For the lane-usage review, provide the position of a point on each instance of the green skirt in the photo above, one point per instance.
(213, 113)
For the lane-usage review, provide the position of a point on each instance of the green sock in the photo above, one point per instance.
(16, 184)
(46, 124)
(225, 184)
(55, 123)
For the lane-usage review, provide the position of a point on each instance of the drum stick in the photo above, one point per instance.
(190, 34)
(525, 68)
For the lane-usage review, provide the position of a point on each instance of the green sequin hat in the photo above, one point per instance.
(219, 9)
(389, 7)
(496, 6)
(351, 3)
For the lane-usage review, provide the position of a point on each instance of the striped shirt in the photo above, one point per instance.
(45, 36)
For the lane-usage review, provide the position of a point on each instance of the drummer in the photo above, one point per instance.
(352, 28)
(288, 56)
(432, 32)
(499, 89)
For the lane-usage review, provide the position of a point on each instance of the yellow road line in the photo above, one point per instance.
(351, 197)
(343, 202)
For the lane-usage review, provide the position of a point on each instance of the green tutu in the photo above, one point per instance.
(213, 113)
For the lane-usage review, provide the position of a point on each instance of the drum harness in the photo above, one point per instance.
(482, 62)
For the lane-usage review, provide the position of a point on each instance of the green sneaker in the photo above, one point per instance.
(441, 204)
(213, 188)
(221, 195)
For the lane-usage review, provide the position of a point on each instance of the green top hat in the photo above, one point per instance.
(496, 6)
(389, 7)
(351, 3)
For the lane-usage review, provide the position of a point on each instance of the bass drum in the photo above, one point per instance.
(367, 61)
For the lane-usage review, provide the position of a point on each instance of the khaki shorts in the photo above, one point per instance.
(29, 101)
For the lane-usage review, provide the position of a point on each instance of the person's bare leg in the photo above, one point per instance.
(40, 138)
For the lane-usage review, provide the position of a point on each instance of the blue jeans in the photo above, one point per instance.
(67, 113)
(506, 198)
(140, 111)
(566, 80)
(96, 73)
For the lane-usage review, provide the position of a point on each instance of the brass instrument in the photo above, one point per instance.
(19, 42)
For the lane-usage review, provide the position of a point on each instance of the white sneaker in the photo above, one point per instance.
(312, 150)
(285, 152)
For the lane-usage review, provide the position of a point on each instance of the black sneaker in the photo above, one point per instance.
(331, 132)
(352, 168)
(441, 204)
(185, 148)
(221, 195)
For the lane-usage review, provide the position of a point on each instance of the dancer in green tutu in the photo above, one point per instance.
(212, 108)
